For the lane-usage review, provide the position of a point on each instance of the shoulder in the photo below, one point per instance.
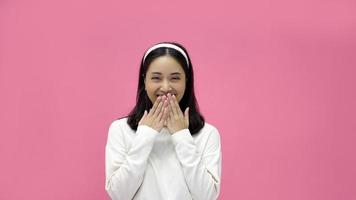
(119, 122)
(118, 127)
(208, 131)
(209, 128)
(208, 138)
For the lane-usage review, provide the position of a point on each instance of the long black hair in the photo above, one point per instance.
(196, 120)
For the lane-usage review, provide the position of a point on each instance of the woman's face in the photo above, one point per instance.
(165, 75)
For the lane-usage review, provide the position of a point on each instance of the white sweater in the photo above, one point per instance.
(153, 165)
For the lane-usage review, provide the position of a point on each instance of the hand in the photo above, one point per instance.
(176, 121)
(157, 115)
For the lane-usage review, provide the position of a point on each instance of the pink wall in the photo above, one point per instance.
(276, 77)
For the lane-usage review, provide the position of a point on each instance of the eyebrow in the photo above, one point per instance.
(174, 73)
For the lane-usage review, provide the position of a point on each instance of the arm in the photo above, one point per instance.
(125, 167)
(202, 170)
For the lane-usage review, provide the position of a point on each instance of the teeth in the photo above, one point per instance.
(165, 95)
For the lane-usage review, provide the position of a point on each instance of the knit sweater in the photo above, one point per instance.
(151, 165)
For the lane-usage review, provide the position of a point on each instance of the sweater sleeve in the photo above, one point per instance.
(202, 170)
(125, 167)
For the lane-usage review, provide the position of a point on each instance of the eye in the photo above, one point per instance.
(154, 78)
(176, 78)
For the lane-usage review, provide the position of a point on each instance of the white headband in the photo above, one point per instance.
(166, 45)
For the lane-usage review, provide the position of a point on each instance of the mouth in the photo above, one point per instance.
(160, 95)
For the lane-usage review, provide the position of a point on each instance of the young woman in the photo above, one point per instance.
(163, 149)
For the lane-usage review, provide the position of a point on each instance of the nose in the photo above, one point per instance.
(165, 87)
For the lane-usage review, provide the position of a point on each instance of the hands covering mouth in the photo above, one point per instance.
(166, 112)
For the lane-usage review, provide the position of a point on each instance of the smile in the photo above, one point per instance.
(157, 95)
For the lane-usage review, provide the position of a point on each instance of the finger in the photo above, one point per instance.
(186, 115)
(168, 117)
(158, 109)
(171, 104)
(166, 104)
(178, 111)
(154, 107)
(161, 105)
(159, 117)
(171, 109)
(163, 109)
(178, 107)
(164, 117)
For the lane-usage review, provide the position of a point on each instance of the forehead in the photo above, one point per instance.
(165, 65)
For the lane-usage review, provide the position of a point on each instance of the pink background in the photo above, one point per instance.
(276, 77)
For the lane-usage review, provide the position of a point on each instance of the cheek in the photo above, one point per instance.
(181, 90)
(182, 87)
(149, 91)
(151, 87)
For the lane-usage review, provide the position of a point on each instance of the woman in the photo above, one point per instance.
(163, 149)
